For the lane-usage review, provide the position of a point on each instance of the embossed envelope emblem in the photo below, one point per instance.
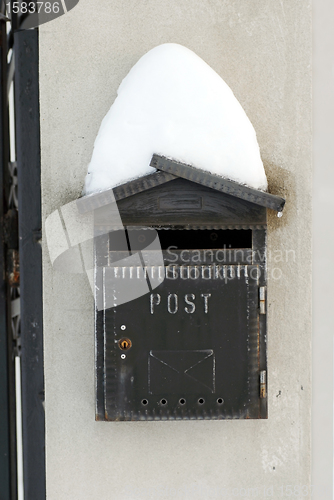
(181, 371)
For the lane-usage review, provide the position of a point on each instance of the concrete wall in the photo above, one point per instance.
(262, 49)
(323, 245)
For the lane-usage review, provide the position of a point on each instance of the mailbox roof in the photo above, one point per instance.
(168, 170)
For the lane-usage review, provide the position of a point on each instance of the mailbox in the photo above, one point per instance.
(193, 346)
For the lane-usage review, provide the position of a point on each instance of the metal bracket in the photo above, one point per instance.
(263, 384)
(262, 294)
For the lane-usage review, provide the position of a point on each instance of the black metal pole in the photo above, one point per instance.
(29, 196)
(8, 483)
(4, 368)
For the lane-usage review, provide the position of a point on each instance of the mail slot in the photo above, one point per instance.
(193, 344)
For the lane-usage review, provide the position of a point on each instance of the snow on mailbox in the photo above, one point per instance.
(176, 205)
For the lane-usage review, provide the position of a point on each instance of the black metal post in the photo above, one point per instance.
(8, 484)
(29, 195)
(4, 386)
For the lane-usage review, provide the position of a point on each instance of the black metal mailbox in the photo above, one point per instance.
(194, 345)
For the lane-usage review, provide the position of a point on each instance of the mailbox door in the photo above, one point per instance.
(189, 349)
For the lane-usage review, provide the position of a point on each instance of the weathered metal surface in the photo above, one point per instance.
(97, 200)
(8, 468)
(206, 313)
(195, 346)
(19, 62)
(218, 183)
(29, 194)
(207, 308)
(259, 257)
(169, 170)
(184, 204)
(194, 338)
(101, 260)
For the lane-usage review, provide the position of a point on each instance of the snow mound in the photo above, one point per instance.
(173, 104)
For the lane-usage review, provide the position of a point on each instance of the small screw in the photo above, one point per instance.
(123, 327)
(123, 356)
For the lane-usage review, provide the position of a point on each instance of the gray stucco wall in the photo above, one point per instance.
(262, 49)
(323, 245)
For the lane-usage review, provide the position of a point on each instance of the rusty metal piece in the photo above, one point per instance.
(13, 268)
(263, 384)
(124, 344)
(11, 228)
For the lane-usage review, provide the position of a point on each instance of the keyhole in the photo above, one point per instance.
(124, 344)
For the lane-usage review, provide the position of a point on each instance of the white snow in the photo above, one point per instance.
(173, 104)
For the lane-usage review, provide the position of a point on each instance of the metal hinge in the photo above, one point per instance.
(262, 294)
(263, 384)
